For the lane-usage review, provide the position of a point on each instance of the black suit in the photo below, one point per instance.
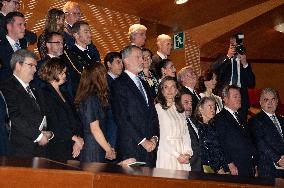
(6, 52)
(223, 70)
(135, 119)
(26, 117)
(236, 142)
(270, 144)
(195, 160)
(66, 125)
(194, 98)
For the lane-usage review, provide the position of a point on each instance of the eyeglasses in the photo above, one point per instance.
(31, 65)
(74, 13)
(56, 42)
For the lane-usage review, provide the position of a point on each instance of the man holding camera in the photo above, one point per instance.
(233, 69)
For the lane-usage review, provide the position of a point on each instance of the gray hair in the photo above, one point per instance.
(183, 72)
(19, 57)
(227, 88)
(268, 90)
(127, 51)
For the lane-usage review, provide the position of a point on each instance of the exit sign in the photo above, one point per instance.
(179, 40)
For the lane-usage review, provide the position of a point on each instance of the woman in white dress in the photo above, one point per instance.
(174, 150)
(206, 86)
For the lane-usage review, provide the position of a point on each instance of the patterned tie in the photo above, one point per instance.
(17, 46)
(32, 96)
(235, 72)
(276, 123)
(140, 87)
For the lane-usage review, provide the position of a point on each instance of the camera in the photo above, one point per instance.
(240, 48)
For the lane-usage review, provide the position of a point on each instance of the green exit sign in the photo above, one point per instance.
(179, 40)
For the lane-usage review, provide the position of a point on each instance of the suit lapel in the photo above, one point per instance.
(269, 123)
(234, 122)
(133, 88)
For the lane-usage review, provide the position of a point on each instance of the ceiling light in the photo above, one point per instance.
(279, 27)
(179, 2)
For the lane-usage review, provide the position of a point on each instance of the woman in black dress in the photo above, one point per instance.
(212, 156)
(92, 102)
(65, 123)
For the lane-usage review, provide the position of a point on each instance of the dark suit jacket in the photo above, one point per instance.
(6, 52)
(25, 116)
(79, 59)
(156, 59)
(236, 142)
(195, 161)
(135, 119)
(3, 130)
(194, 98)
(66, 124)
(270, 145)
(223, 69)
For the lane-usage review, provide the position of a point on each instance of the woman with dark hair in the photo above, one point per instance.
(166, 68)
(206, 86)
(54, 23)
(146, 74)
(174, 150)
(92, 101)
(66, 125)
(212, 157)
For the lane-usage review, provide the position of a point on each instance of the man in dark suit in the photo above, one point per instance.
(195, 160)
(7, 6)
(188, 79)
(164, 45)
(11, 43)
(79, 54)
(268, 134)
(233, 69)
(27, 108)
(114, 66)
(73, 14)
(234, 134)
(134, 111)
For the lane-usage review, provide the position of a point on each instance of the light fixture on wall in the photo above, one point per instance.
(179, 2)
(279, 27)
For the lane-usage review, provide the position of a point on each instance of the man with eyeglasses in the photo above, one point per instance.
(27, 108)
(7, 6)
(15, 25)
(73, 14)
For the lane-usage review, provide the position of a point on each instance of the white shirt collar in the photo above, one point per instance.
(190, 89)
(21, 82)
(163, 56)
(230, 110)
(112, 75)
(131, 75)
(51, 56)
(12, 42)
(80, 47)
(4, 14)
(269, 115)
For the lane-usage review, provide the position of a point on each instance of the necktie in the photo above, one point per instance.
(140, 87)
(235, 72)
(17, 46)
(32, 96)
(276, 123)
